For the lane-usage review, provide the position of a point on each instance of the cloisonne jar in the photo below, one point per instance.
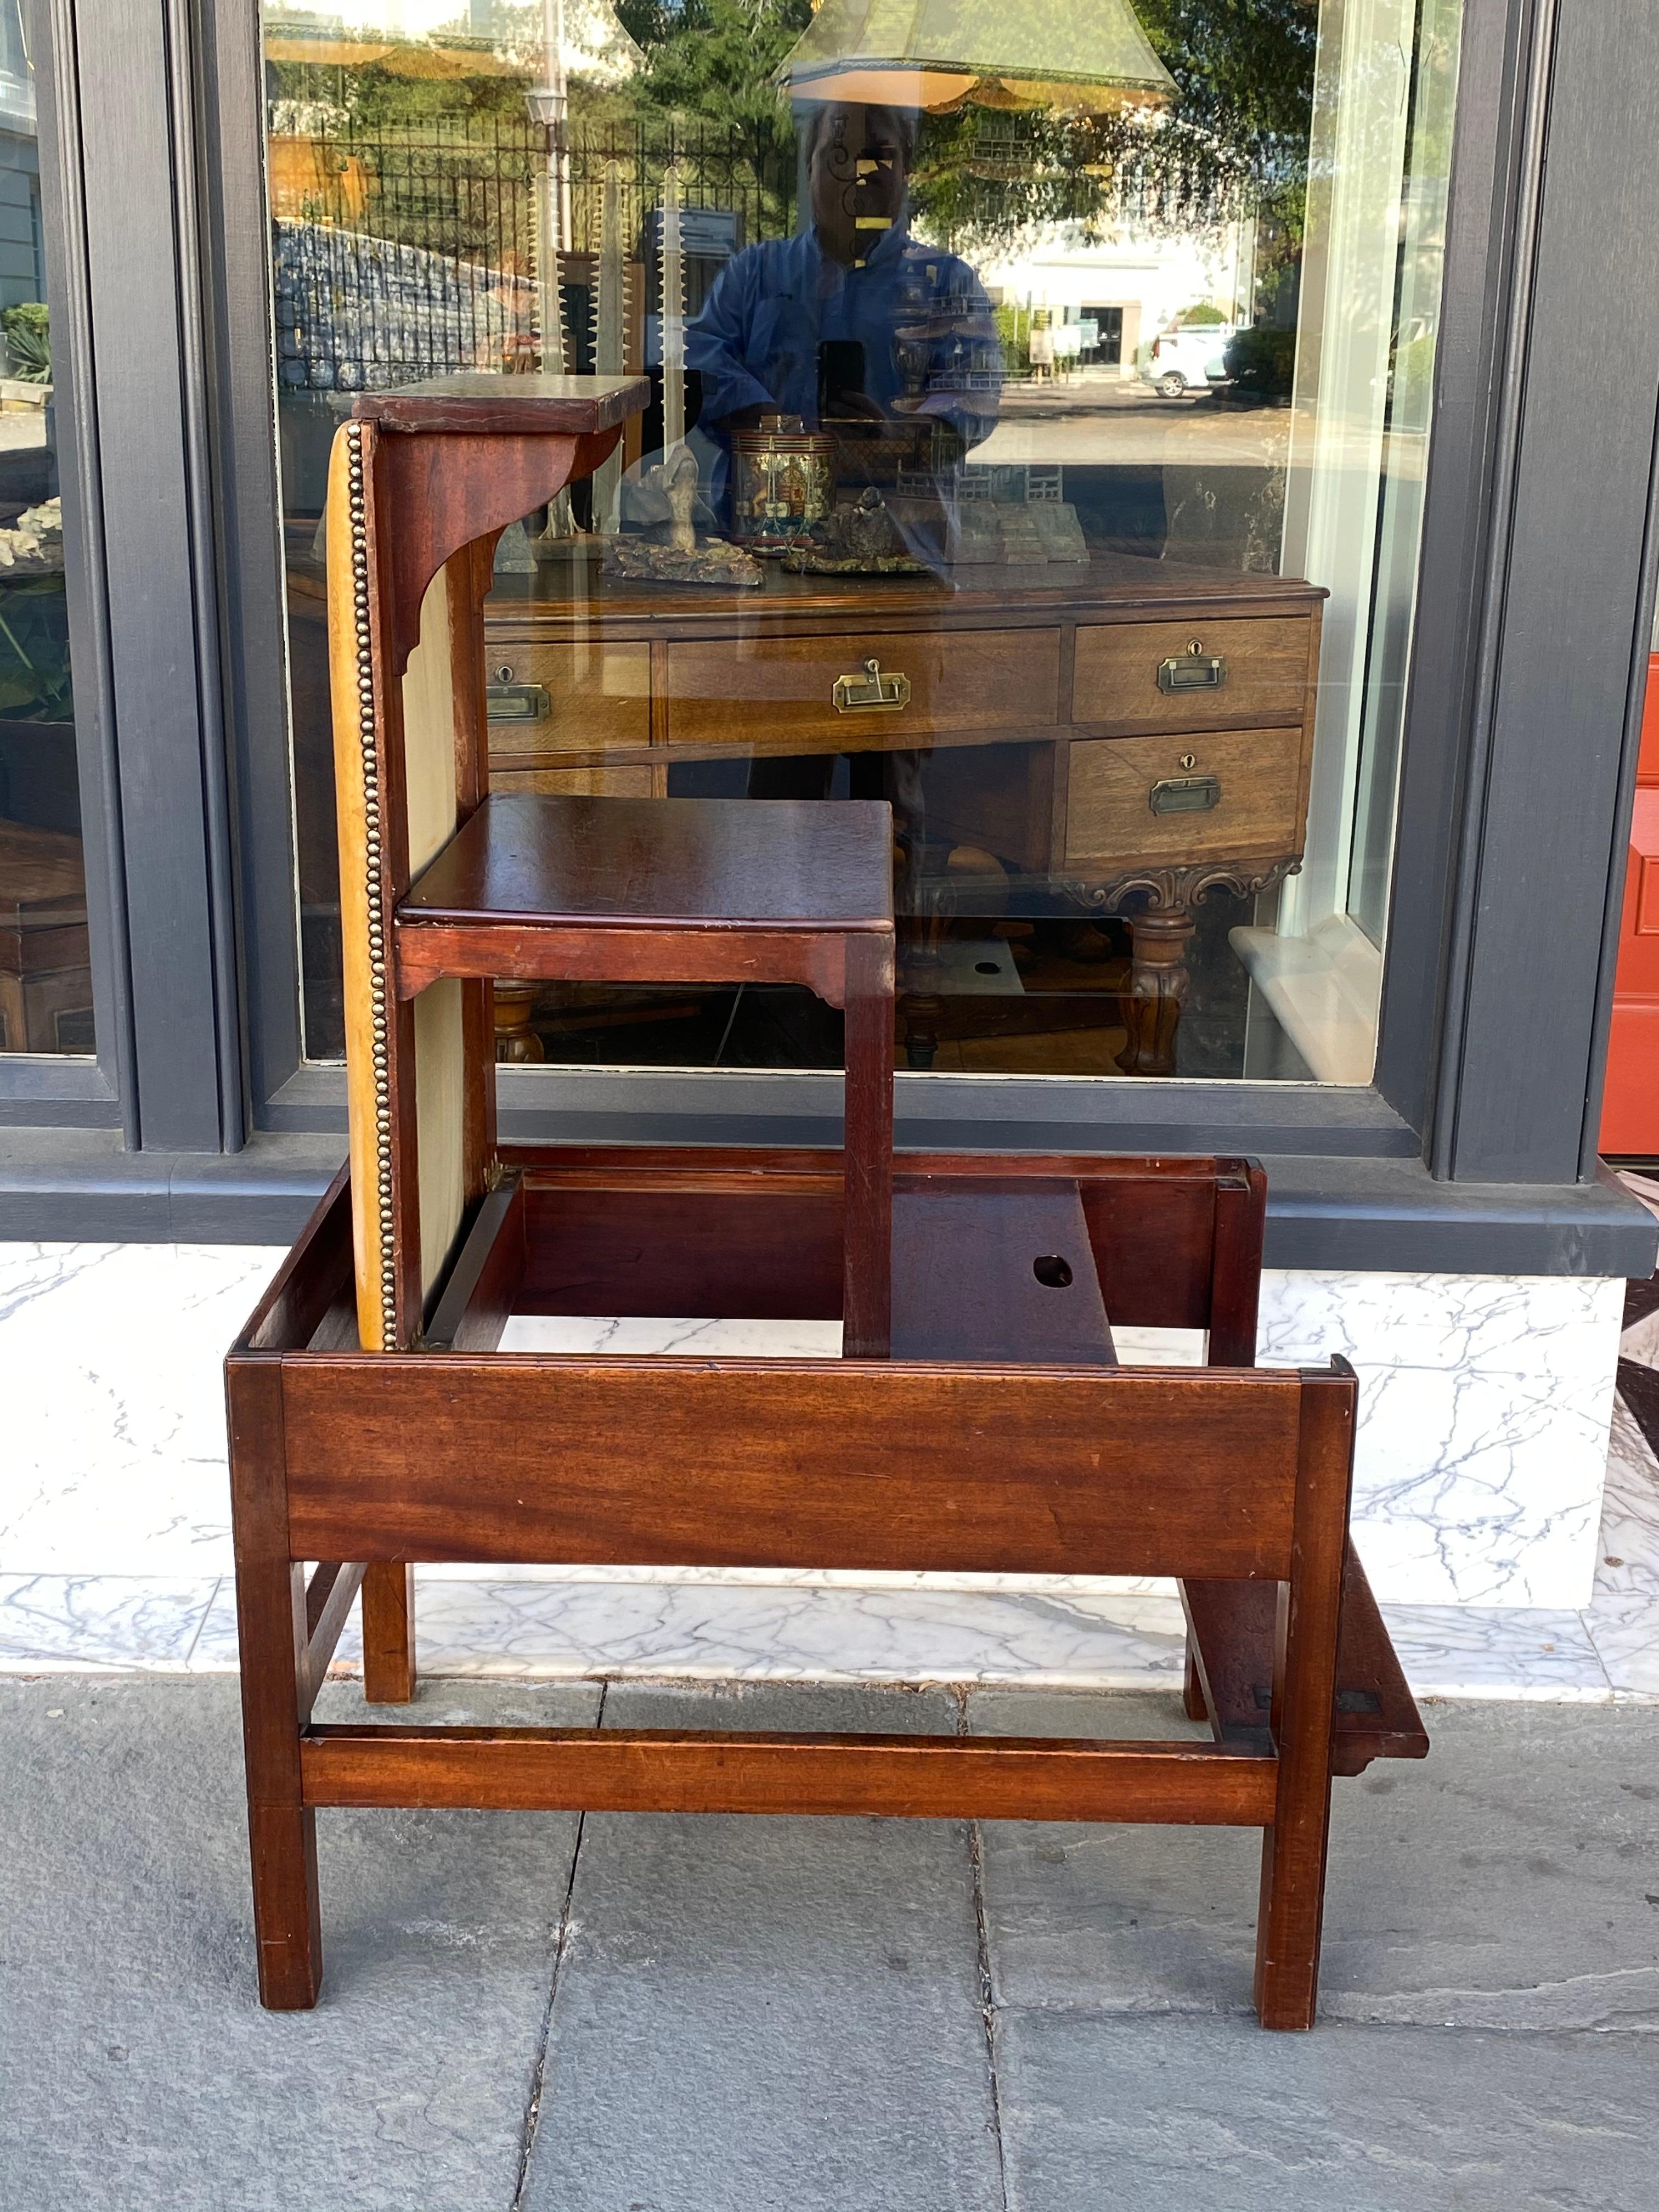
(782, 483)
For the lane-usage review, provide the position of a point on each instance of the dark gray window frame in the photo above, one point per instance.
(1431, 1166)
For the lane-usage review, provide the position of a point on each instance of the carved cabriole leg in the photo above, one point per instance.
(1161, 931)
(271, 1619)
(1158, 983)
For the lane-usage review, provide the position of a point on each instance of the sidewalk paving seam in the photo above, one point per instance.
(987, 2007)
(538, 2071)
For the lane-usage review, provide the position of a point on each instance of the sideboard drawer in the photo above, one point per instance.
(780, 693)
(598, 696)
(574, 783)
(1185, 799)
(1192, 675)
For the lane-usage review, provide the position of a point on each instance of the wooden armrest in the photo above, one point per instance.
(1231, 1626)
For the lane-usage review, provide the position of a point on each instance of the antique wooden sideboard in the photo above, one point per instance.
(1133, 734)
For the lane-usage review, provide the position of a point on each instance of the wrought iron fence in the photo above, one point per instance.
(403, 252)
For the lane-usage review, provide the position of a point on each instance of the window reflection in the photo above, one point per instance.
(1067, 362)
(45, 975)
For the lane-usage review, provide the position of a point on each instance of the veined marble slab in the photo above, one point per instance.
(1624, 1615)
(111, 1356)
(1480, 1458)
(82, 1624)
(1484, 1403)
(703, 1624)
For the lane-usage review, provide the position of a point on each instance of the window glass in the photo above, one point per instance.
(1042, 396)
(45, 974)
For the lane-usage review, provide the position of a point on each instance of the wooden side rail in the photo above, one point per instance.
(528, 1458)
(663, 1771)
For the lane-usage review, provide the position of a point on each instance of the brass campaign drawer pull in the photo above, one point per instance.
(1193, 671)
(1185, 794)
(873, 690)
(517, 702)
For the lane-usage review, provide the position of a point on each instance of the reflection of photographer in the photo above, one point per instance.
(852, 320)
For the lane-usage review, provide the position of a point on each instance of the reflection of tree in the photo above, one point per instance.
(1233, 141)
(710, 64)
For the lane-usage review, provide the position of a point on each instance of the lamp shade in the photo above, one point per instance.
(1089, 57)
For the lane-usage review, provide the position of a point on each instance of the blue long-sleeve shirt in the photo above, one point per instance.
(756, 342)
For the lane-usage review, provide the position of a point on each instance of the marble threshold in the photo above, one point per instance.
(721, 1624)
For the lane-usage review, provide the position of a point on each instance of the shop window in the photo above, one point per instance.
(1051, 402)
(46, 973)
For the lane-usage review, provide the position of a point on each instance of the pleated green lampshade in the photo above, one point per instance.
(1088, 56)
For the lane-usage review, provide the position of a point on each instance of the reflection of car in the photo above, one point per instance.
(1188, 360)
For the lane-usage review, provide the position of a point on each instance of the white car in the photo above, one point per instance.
(1188, 360)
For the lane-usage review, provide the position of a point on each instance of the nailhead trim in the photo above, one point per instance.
(378, 994)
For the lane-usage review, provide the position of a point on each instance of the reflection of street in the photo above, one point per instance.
(1128, 426)
(1122, 425)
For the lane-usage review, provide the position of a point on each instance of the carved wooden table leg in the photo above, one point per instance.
(1161, 931)
(1158, 981)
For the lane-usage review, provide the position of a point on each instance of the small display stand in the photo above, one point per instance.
(977, 1421)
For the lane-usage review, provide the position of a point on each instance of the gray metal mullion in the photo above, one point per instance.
(156, 590)
(1555, 803)
(63, 204)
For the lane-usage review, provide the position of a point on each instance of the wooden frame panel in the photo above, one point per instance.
(844, 1463)
(1236, 1478)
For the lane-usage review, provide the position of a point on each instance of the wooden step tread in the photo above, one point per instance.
(1232, 1626)
(692, 864)
(1002, 1272)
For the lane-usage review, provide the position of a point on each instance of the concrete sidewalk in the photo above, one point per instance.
(624, 2014)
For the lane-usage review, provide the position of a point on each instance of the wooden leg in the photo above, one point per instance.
(1292, 1902)
(389, 1634)
(271, 1614)
(1159, 982)
(867, 1215)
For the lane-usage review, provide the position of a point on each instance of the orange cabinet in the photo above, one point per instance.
(1629, 1107)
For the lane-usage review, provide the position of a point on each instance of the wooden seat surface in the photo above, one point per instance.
(773, 863)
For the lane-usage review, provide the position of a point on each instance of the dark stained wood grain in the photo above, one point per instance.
(965, 1280)
(689, 864)
(310, 1279)
(273, 1634)
(437, 489)
(507, 406)
(616, 952)
(1236, 1480)
(329, 1597)
(1241, 1217)
(1151, 1226)
(921, 1777)
(755, 1248)
(1231, 1629)
(389, 1629)
(790, 1463)
(479, 1295)
(1291, 1914)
